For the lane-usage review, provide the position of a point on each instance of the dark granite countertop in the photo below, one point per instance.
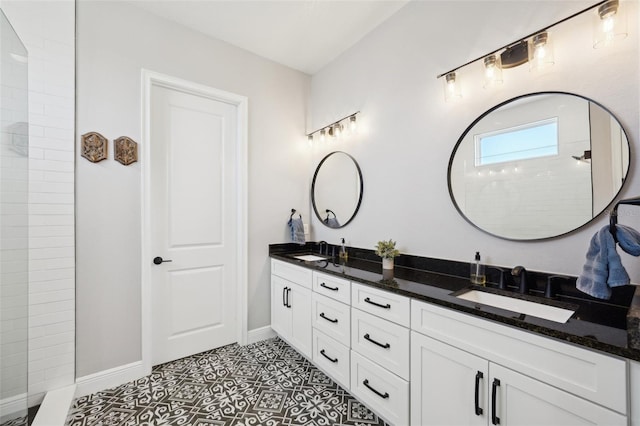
(595, 325)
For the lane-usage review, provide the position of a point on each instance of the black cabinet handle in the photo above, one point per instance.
(334, 360)
(385, 346)
(387, 306)
(158, 260)
(494, 388)
(288, 301)
(284, 296)
(328, 319)
(329, 288)
(479, 376)
(383, 396)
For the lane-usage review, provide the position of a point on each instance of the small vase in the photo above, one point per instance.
(387, 263)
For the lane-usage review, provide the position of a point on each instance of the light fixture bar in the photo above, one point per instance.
(334, 123)
(514, 43)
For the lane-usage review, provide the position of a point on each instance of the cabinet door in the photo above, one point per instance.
(300, 307)
(444, 383)
(521, 400)
(280, 313)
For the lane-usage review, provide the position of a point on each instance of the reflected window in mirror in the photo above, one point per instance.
(336, 189)
(520, 184)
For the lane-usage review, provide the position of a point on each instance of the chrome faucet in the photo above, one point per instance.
(321, 243)
(519, 271)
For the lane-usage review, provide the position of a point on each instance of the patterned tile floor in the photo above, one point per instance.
(266, 383)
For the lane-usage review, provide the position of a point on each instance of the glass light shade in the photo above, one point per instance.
(452, 91)
(353, 125)
(540, 52)
(492, 68)
(323, 136)
(610, 24)
(337, 131)
(310, 139)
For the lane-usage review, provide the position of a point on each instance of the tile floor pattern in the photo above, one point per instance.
(266, 383)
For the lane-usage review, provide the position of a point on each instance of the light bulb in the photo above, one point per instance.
(492, 71)
(540, 52)
(310, 139)
(323, 134)
(610, 24)
(452, 87)
(336, 131)
(353, 126)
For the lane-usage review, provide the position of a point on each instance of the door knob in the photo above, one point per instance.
(158, 260)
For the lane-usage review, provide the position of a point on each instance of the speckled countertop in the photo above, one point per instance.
(596, 325)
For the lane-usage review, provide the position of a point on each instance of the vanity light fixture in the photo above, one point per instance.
(536, 48)
(610, 24)
(335, 129)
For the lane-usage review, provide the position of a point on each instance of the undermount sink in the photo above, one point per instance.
(526, 307)
(309, 257)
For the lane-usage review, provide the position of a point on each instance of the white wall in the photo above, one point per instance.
(115, 41)
(390, 76)
(47, 28)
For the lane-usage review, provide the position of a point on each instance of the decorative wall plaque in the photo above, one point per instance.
(94, 147)
(125, 150)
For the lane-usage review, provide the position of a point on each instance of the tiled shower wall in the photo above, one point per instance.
(48, 31)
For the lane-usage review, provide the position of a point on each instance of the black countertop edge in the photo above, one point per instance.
(437, 288)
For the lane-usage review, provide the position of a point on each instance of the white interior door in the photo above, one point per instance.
(193, 215)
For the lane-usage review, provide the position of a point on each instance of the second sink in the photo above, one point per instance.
(513, 304)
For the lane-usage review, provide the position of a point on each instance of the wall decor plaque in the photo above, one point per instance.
(125, 150)
(94, 147)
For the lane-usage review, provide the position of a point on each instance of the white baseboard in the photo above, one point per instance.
(12, 407)
(258, 334)
(55, 407)
(110, 378)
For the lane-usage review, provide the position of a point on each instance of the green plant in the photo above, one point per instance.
(387, 249)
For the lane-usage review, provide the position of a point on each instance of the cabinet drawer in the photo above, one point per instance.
(332, 357)
(382, 341)
(386, 393)
(589, 374)
(333, 287)
(331, 317)
(384, 304)
(293, 273)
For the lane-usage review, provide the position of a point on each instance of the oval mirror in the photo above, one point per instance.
(336, 189)
(538, 166)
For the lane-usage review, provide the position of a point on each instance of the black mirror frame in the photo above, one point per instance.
(464, 134)
(313, 186)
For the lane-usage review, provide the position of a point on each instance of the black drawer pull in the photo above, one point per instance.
(288, 301)
(328, 319)
(494, 387)
(329, 288)
(334, 360)
(479, 376)
(284, 297)
(385, 346)
(383, 396)
(387, 306)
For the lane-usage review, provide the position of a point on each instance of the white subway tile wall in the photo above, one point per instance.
(48, 31)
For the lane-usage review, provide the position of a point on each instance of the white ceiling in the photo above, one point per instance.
(302, 34)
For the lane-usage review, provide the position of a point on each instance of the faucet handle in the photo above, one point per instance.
(502, 281)
(551, 289)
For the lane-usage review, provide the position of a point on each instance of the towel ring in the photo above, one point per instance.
(293, 211)
(613, 217)
(330, 212)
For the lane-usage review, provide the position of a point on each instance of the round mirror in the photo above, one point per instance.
(538, 166)
(336, 190)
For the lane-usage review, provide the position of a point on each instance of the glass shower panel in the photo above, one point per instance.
(14, 231)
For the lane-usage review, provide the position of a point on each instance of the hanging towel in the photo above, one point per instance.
(628, 239)
(297, 230)
(603, 268)
(332, 222)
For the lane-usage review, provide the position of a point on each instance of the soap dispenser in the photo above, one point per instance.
(343, 251)
(477, 271)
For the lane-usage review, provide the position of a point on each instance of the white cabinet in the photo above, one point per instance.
(448, 386)
(332, 357)
(556, 383)
(332, 318)
(291, 308)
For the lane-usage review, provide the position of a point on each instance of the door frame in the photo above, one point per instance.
(149, 80)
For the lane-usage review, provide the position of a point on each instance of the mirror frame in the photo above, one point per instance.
(313, 186)
(489, 111)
